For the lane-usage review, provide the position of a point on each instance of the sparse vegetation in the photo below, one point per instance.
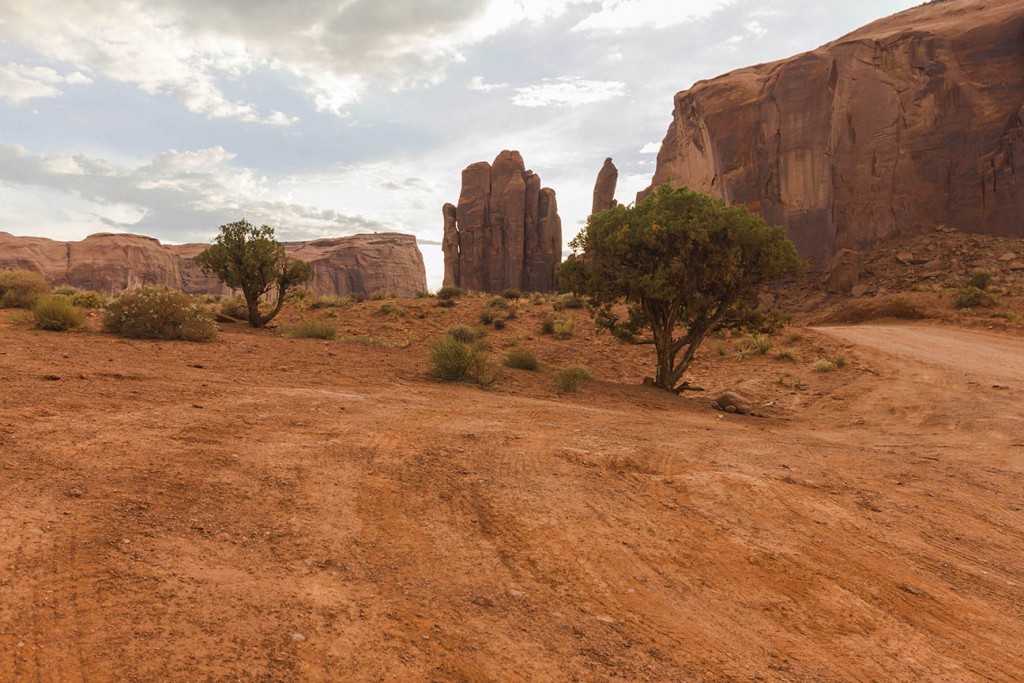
(567, 301)
(762, 345)
(979, 279)
(56, 313)
(824, 365)
(572, 377)
(547, 325)
(564, 328)
(84, 298)
(512, 294)
(158, 313)
(21, 288)
(499, 323)
(390, 308)
(839, 360)
(787, 355)
(720, 348)
(455, 361)
(327, 302)
(449, 292)
(313, 329)
(487, 316)
(446, 303)
(498, 302)
(521, 359)
(973, 297)
(234, 307)
(464, 334)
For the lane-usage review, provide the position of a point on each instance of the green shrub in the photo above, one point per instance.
(21, 288)
(158, 313)
(499, 323)
(449, 292)
(564, 328)
(537, 299)
(972, 297)
(313, 329)
(300, 295)
(234, 307)
(547, 325)
(512, 294)
(762, 345)
(979, 279)
(720, 348)
(84, 298)
(328, 302)
(487, 316)
(455, 361)
(498, 302)
(823, 365)
(380, 296)
(465, 334)
(839, 360)
(392, 309)
(572, 377)
(446, 303)
(57, 314)
(787, 355)
(521, 359)
(567, 301)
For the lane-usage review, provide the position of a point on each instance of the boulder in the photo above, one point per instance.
(843, 272)
(109, 263)
(505, 232)
(604, 188)
(910, 122)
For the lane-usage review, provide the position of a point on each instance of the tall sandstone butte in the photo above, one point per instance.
(604, 188)
(911, 122)
(505, 232)
(105, 262)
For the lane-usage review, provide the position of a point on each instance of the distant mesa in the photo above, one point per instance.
(505, 232)
(109, 263)
(910, 122)
(604, 188)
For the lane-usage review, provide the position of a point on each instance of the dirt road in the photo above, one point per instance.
(988, 356)
(263, 509)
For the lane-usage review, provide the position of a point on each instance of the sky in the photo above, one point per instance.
(327, 118)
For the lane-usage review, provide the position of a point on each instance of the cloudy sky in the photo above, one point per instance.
(333, 117)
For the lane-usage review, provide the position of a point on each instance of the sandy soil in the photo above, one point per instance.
(266, 509)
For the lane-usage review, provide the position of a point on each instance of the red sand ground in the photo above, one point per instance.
(265, 508)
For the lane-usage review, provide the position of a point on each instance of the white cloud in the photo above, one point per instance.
(562, 92)
(19, 83)
(477, 83)
(651, 148)
(622, 15)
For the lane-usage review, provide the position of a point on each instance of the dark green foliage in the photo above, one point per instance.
(512, 294)
(682, 262)
(21, 288)
(158, 313)
(57, 314)
(547, 325)
(521, 359)
(250, 259)
(567, 301)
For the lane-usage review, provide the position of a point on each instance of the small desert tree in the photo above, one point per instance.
(682, 263)
(250, 259)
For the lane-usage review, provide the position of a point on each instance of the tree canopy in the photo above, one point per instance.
(250, 259)
(680, 261)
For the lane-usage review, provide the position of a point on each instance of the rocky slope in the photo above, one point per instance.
(913, 121)
(386, 262)
(505, 231)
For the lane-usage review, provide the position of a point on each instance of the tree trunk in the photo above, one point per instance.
(253, 304)
(277, 307)
(666, 356)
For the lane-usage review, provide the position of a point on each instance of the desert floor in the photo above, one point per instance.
(268, 508)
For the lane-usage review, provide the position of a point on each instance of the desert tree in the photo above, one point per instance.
(250, 259)
(682, 263)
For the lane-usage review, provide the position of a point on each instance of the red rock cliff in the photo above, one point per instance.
(910, 122)
(385, 262)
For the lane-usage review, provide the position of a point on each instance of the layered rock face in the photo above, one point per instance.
(913, 121)
(505, 232)
(604, 188)
(386, 262)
